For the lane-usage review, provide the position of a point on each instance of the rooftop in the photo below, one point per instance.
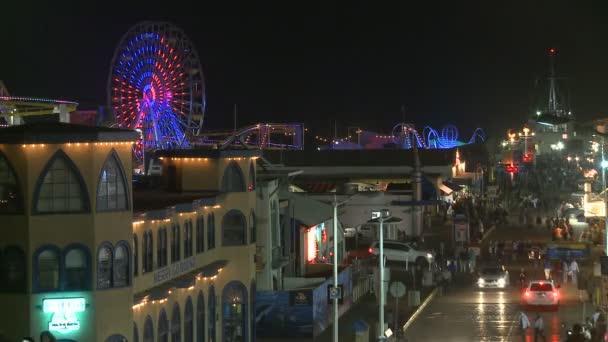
(325, 158)
(208, 153)
(148, 196)
(147, 200)
(60, 133)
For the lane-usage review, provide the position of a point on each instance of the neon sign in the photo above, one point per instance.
(64, 311)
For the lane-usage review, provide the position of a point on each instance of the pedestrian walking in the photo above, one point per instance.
(547, 268)
(539, 327)
(565, 270)
(573, 271)
(524, 324)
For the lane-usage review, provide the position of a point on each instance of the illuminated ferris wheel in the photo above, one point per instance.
(156, 86)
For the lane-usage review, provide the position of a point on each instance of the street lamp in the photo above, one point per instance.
(336, 290)
(604, 165)
(383, 215)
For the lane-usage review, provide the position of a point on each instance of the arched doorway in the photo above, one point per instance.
(234, 312)
(163, 327)
(116, 338)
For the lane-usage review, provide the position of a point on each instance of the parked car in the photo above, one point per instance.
(493, 276)
(542, 293)
(398, 251)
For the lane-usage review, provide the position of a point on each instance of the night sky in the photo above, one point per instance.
(470, 65)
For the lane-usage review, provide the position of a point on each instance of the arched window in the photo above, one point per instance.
(77, 268)
(148, 252)
(10, 191)
(188, 321)
(60, 188)
(252, 318)
(148, 330)
(112, 189)
(12, 270)
(135, 255)
(114, 338)
(251, 185)
(200, 317)
(161, 253)
(135, 333)
(176, 324)
(253, 230)
(163, 327)
(233, 180)
(175, 243)
(211, 315)
(210, 231)
(234, 312)
(46, 269)
(234, 229)
(200, 234)
(104, 266)
(121, 264)
(187, 238)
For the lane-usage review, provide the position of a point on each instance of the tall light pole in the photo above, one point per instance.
(336, 204)
(604, 164)
(384, 214)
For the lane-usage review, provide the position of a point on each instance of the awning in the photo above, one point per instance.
(416, 203)
(184, 281)
(317, 187)
(449, 187)
(392, 219)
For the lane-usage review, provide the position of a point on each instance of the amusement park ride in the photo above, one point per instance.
(14, 110)
(156, 86)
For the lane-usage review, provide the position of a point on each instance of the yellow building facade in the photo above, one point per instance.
(90, 254)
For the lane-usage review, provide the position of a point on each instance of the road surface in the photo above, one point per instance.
(465, 313)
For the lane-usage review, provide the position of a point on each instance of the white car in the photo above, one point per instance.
(402, 252)
(542, 293)
(493, 276)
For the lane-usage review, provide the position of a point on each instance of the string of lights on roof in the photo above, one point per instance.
(78, 144)
(146, 301)
(205, 207)
(192, 159)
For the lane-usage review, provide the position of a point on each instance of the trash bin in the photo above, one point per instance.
(361, 331)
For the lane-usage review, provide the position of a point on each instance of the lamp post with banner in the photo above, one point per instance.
(382, 216)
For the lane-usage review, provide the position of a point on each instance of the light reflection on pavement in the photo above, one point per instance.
(466, 314)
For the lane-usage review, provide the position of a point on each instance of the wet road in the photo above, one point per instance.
(467, 314)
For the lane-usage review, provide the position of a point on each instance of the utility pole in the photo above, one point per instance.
(604, 164)
(417, 184)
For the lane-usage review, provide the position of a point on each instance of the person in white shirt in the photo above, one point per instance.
(596, 315)
(524, 324)
(573, 270)
(539, 326)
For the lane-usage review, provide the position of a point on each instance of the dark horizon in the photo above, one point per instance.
(468, 65)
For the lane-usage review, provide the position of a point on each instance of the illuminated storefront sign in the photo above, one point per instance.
(315, 240)
(64, 311)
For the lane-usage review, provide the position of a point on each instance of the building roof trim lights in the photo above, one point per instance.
(63, 133)
(208, 153)
(33, 99)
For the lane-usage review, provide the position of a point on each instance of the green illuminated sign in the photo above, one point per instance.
(64, 310)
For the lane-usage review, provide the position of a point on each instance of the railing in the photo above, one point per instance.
(361, 287)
